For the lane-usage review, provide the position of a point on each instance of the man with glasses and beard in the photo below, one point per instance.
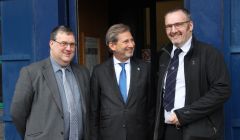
(193, 85)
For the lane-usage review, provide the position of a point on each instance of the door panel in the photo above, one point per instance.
(218, 23)
(26, 27)
(234, 44)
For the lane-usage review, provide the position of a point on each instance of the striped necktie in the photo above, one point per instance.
(170, 85)
(73, 132)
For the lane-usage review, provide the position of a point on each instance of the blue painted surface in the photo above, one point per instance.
(16, 40)
(232, 33)
(45, 19)
(12, 132)
(218, 23)
(227, 40)
(208, 20)
(26, 27)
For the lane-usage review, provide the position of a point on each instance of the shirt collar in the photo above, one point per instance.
(56, 66)
(116, 61)
(185, 48)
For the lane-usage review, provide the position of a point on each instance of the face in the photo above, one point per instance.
(63, 48)
(123, 49)
(178, 28)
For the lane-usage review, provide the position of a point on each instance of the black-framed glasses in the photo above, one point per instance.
(177, 25)
(64, 44)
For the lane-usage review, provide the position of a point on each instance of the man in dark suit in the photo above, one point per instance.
(121, 111)
(193, 85)
(51, 96)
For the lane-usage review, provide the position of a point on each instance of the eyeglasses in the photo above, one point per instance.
(177, 25)
(65, 44)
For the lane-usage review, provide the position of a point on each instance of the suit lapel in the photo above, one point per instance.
(79, 78)
(113, 81)
(52, 83)
(135, 72)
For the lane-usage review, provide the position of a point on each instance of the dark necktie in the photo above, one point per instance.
(123, 82)
(170, 85)
(73, 132)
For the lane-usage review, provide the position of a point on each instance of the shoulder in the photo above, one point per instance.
(37, 66)
(139, 63)
(106, 64)
(206, 48)
(80, 69)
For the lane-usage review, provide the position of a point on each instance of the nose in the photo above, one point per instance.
(68, 47)
(173, 29)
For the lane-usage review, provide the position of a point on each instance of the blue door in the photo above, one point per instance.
(25, 32)
(232, 38)
(218, 22)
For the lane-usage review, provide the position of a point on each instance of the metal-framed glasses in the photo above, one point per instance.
(177, 25)
(66, 44)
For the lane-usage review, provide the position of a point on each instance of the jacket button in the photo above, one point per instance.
(124, 125)
(61, 132)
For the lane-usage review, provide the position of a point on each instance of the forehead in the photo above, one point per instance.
(62, 35)
(124, 36)
(177, 16)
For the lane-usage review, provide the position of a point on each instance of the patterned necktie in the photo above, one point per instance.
(73, 132)
(123, 82)
(170, 85)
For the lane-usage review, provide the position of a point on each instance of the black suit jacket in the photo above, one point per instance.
(207, 88)
(111, 118)
(36, 106)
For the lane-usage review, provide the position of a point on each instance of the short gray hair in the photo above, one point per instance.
(114, 31)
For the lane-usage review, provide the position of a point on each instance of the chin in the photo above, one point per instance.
(129, 55)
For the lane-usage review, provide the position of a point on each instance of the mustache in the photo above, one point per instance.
(175, 33)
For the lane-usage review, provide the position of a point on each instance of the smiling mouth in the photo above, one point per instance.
(176, 36)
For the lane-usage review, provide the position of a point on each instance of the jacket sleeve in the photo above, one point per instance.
(214, 89)
(22, 101)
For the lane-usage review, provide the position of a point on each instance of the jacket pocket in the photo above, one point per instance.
(34, 134)
(203, 129)
(105, 118)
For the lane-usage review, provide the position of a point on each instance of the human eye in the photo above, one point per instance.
(125, 41)
(168, 26)
(64, 44)
(72, 45)
(178, 25)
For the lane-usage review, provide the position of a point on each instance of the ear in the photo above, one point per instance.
(191, 25)
(51, 43)
(112, 46)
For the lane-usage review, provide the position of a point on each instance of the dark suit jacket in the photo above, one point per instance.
(36, 106)
(111, 118)
(207, 88)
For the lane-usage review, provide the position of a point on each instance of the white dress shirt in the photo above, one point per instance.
(118, 70)
(180, 90)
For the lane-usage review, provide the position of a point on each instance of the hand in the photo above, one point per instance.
(173, 119)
